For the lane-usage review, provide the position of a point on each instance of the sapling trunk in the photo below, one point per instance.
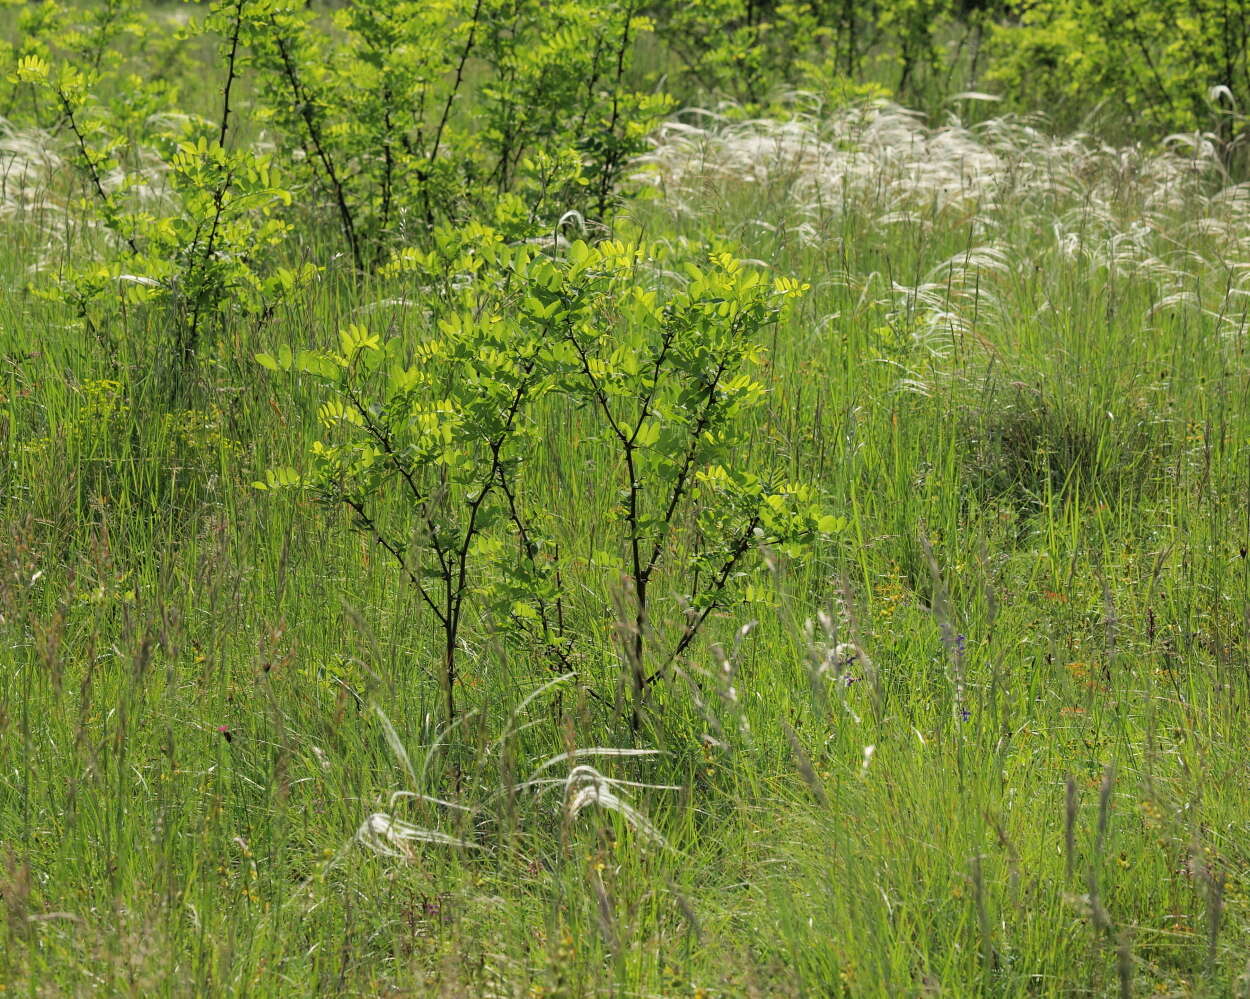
(316, 145)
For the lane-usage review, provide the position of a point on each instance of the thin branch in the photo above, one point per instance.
(496, 449)
(600, 396)
(661, 355)
(392, 454)
(683, 477)
(219, 203)
(230, 72)
(528, 547)
(397, 555)
(305, 108)
(93, 172)
(613, 155)
(455, 87)
(716, 591)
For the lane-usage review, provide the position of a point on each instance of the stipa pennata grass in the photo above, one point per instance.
(582, 787)
(1029, 208)
(585, 786)
(882, 160)
(388, 836)
(38, 187)
(28, 162)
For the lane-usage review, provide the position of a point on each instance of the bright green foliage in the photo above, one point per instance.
(736, 47)
(445, 424)
(1182, 64)
(441, 423)
(559, 89)
(187, 223)
(363, 107)
(195, 249)
(669, 374)
(372, 109)
(1177, 65)
(90, 37)
(747, 49)
(366, 108)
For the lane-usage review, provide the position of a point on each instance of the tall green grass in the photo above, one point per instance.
(993, 743)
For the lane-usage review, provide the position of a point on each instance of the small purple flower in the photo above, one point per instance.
(960, 642)
(964, 714)
(848, 679)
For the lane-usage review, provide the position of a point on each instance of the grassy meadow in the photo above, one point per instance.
(988, 738)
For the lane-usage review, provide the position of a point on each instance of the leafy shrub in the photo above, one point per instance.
(361, 107)
(430, 443)
(369, 109)
(1181, 65)
(745, 49)
(186, 222)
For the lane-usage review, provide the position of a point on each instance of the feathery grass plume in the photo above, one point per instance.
(29, 163)
(881, 159)
(1157, 213)
(585, 786)
(577, 754)
(391, 837)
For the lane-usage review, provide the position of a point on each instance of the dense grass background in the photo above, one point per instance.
(992, 742)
